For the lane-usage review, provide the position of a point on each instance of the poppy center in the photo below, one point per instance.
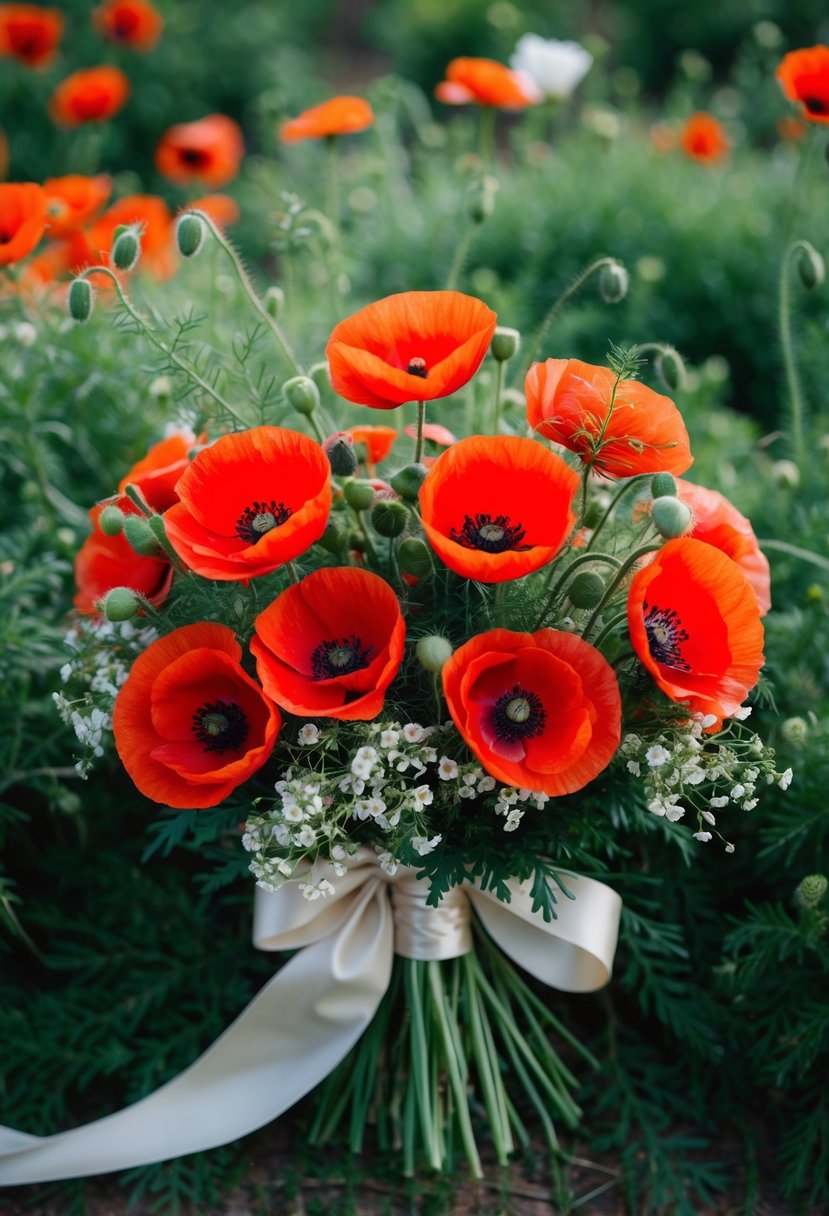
(491, 534)
(815, 105)
(339, 657)
(518, 714)
(125, 24)
(260, 518)
(417, 367)
(221, 726)
(194, 157)
(665, 636)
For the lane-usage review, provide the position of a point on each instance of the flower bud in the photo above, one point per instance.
(140, 535)
(120, 604)
(190, 233)
(81, 300)
(408, 481)
(302, 394)
(586, 590)
(592, 514)
(483, 199)
(320, 374)
(359, 494)
(671, 517)
(415, 557)
(126, 250)
(505, 343)
(274, 302)
(811, 890)
(111, 521)
(786, 473)
(388, 517)
(795, 731)
(433, 651)
(339, 448)
(670, 369)
(663, 486)
(613, 282)
(810, 266)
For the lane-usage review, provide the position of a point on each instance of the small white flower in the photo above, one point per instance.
(513, 819)
(486, 784)
(634, 767)
(447, 769)
(284, 868)
(741, 714)
(387, 862)
(786, 779)
(25, 333)
(750, 804)
(693, 776)
(65, 672)
(309, 734)
(422, 844)
(360, 768)
(293, 813)
(738, 792)
(389, 739)
(554, 67)
(368, 754)
(708, 817)
(657, 807)
(422, 796)
(281, 834)
(674, 813)
(305, 837)
(718, 801)
(704, 837)
(338, 853)
(412, 732)
(657, 755)
(729, 848)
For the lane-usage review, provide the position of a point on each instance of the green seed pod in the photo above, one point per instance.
(191, 231)
(126, 250)
(663, 486)
(81, 300)
(388, 517)
(275, 302)
(140, 535)
(302, 394)
(415, 557)
(359, 494)
(811, 890)
(339, 449)
(111, 521)
(613, 282)
(670, 369)
(408, 481)
(586, 589)
(505, 344)
(810, 266)
(671, 517)
(433, 651)
(120, 604)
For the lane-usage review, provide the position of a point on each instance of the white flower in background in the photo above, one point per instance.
(657, 755)
(309, 734)
(554, 67)
(708, 817)
(742, 713)
(422, 845)
(447, 769)
(412, 732)
(317, 890)
(704, 837)
(422, 796)
(786, 779)
(389, 739)
(305, 837)
(674, 813)
(387, 862)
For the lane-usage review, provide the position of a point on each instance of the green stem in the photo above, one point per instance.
(499, 384)
(789, 360)
(805, 555)
(486, 135)
(558, 304)
(461, 254)
(292, 572)
(413, 974)
(620, 493)
(608, 629)
(456, 1069)
(421, 419)
(332, 205)
(554, 592)
(611, 590)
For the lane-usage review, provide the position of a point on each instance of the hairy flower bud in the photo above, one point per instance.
(339, 448)
(483, 199)
(408, 481)
(388, 517)
(433, 651)
(811, 890)
(140, 535)
(120, 604)
(810, 266)
(127, 249)
(586, 589)
(505, 343)
(415, 557)
(274, 302)
(190, 233)
(302, 394)
(81, 300)
(795, 731)
(671, 517)
(359, 494)
(111, 521)
(670, 368)
(613, 282)
(663, 485)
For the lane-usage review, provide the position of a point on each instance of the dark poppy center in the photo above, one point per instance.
(125, 24)
(518, 714)
(490, 534)
(221, 726)
(665, 636)
(194, 157)
(29, 43)
(417, 367)
(260, 518)
(6, 237)
(815, 105)
(339, 657)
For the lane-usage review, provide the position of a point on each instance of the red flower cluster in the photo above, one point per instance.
(208, 151)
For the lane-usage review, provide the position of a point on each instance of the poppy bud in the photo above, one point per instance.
(190, 233)
(81, 300)
(388, 517)
(415, 557)
(670, 516)
(505, 343)
(111, 521)
(320, 374)
(156, 525)
(302, 394)
(140, 536)
(359, 494)
(670, 368)
(586, 590)
(795, 731)
(275, 302)
(408, 481)
(339, 449)
(332, 540)
(593, 514)
(810, 891)
(786, 473)
(613, 282)
(483, 199)
(433, 652)
(810, 266)
(662, 485)
(126, 250)
(120, 604)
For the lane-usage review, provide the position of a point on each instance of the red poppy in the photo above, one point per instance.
(134, 23)
(73, 200)
(22, 219)
(104, 562)
(156, 222)
(804, 78)
(414, 346)
(487, 83)
(90, 95)
(695, 625)
(434, 433)
(64, 257)
(158, 473)
(208, 151)
(541, 710)
(719, 523)
(378, 441)
(190, 726)
(251, 502)
(704, 138)
(632, 431)
(330, 645)
(220, 208)
(30, 33)
(338, 116)
(497, 508)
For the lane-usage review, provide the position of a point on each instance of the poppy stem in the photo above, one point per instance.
(787, 344)
(421, 419)
(499, 385)
(541, 332)
(459, 260)
(486, 135)
(554, 592)
(626, 566)
(620, 493)
(292, 572)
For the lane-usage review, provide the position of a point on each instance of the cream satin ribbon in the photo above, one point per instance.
(309, 1016)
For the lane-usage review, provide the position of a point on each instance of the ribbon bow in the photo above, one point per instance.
(311, 1013)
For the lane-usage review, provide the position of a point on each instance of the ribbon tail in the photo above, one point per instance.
(292, 1034)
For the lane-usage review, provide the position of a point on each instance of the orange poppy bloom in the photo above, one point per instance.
(73, 200)
(497, 508)
(415, 346)
(540, 710)
(158, 473)
(104, 562)
(30, 33)
(330, 645)
(190, 726)
(22, 219)
(157, 245)
(338, 116)
(250, 502)
(220, 208)
(378, 441)
(704, 138)
(635, 431)
(695, 625)
(804, 78)
(134, 23)
(208, 151)
(66, 256)
(434, 433)
(90, 95)
(719, 523)
(486, 83)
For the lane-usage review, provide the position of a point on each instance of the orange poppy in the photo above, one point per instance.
(695, 625)
(540, 710)
(190, 726)
(30, 33)
(486, 83)
(415, 346)
(330, 645)
(338, 116)
(153, 215)
(104, 562)
(134, 23)
(157, 474)
(719, 523)
(90, 95)
(220, 208)
(67, 256)
(208, 151)
(378, 441)
(634, 431)
(804, 78)
(22, 219)
(791, 128)
(497, 508)
(704, 138)
(434, 433)
(220, 530)
(73, 200)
